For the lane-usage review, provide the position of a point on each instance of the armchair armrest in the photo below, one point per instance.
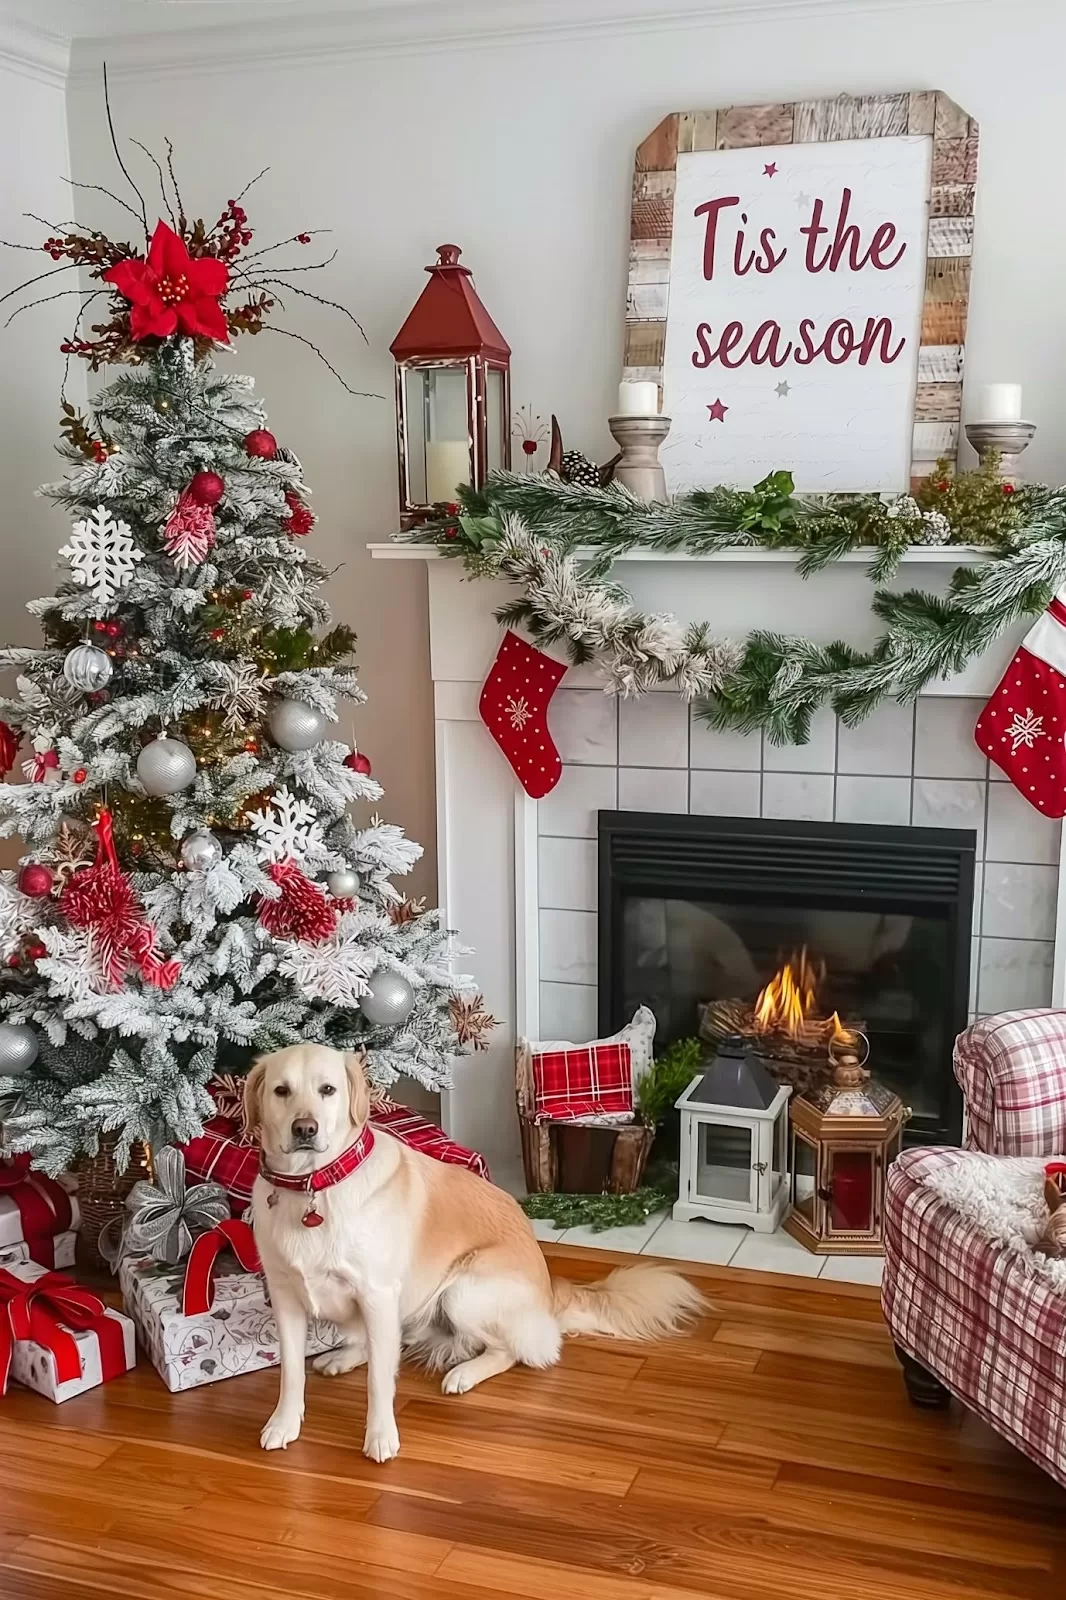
(1012, 1072)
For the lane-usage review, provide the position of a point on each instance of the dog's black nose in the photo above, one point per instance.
(304, 1130)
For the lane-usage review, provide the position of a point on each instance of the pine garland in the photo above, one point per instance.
(530, 530)
(597, 1211)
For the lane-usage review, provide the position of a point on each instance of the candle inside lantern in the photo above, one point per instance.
(638, 400)
(447, 465)
(997, 402)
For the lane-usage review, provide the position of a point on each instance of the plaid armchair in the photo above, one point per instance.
(967, 1319)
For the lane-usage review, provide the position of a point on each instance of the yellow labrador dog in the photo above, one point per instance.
(403, 1252)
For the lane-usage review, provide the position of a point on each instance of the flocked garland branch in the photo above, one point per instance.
(527, 530)
(595, 621)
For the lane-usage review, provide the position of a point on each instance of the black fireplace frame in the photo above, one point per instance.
(694, 856)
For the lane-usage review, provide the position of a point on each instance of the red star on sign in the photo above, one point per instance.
(770, 168)
(718, 411)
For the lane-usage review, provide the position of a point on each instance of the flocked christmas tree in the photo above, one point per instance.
(194, 889)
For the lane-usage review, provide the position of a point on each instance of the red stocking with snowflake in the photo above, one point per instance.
(514, 707)
(1022, 727)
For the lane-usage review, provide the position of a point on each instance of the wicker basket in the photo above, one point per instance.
(565, 1158)
(102, 1192)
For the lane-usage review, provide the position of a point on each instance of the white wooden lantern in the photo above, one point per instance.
(734, 1143)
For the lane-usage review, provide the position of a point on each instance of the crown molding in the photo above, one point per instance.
(33, 53)
(429, 25)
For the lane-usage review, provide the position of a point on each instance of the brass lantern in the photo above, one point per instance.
(453, 392)
(845, 1134)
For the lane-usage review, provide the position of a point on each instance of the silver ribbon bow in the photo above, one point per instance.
(163, 1218)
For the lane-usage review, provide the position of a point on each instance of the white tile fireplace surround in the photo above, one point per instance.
(518, 878)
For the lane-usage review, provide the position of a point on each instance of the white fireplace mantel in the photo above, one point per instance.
(487, 828)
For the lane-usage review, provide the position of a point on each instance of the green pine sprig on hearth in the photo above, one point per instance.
(597, 1211)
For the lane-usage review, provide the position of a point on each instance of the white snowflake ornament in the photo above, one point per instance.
(335, 970)
(290, 831)
(102, 554)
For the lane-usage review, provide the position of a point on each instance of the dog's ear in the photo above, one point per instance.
(358, 1089)
(253, 1091)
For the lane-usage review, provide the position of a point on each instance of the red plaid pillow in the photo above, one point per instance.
(588, 1081)
(223, 1155)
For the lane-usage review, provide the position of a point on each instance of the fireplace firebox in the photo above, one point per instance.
(801, 934)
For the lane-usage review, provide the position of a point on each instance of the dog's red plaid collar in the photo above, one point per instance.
(322, 1177)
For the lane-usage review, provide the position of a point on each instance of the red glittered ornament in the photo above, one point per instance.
(99, 627)
(301, 911)
(36, 880)
(301, 518)
(79, 775)
(358, 762)
(206, 488)
(262, 444)
(114, 629)
(9, 748)
(35, 950)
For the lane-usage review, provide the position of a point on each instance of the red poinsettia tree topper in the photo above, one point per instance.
(171, 291)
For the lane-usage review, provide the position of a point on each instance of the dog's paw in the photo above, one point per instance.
(457, 1381)
(281, 1430)
(334, 1362)
(381, 1444)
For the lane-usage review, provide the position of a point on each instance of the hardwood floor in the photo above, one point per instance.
(771, 1454)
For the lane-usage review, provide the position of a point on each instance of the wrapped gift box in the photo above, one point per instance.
(62, 1249)
(235, 1335)
(61, 1340)
(35, 1210)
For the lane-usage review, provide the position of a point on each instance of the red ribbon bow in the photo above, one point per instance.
(43, 1206)
(45, 1310)
(198, 1294)
(101, 898)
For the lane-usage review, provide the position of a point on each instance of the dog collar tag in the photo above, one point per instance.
(312, 1217)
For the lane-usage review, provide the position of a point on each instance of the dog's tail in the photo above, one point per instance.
(639, 1302)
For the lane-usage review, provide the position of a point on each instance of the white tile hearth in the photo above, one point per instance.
(798, 796)
(1017, 831)
(723, 748)
(725, 794)
(568, 874)
(1015, 974)
(653, 732)
(714, 1244)
(653, 788)
(943, 739)
(1019, 901)
(584, 725)
(873, 799)
(883, 743)
(949, 803)
(570, 810)
(817, 755)
(568, 946)
(568, 1011)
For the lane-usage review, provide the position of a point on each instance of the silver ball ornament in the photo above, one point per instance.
(200, 851)
(166, 766)
(389, 999)
(294, 725)
(87, 668)
(343, 884)
(18, 1048)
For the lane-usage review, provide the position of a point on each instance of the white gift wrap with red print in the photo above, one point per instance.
(1023, 727)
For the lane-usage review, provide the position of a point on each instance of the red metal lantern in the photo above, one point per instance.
(453, 391)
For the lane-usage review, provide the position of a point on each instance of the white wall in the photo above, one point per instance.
(520, 149)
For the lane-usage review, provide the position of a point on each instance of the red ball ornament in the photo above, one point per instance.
(943, 486)
(79, 775)
(252, 746)
(99, 627)
(35, 950)
(358, 763)
(36, 880)
(15, 960)
(247, 594)
(1008, 488)
(206, 488)
(262, 444)
(114, 629)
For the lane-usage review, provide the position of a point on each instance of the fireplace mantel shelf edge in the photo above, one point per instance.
(925, 555)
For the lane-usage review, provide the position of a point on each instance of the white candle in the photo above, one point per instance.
(997, 402)
(447, 465)
(638, 400)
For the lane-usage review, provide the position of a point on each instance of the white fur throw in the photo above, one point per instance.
(1003, 1196)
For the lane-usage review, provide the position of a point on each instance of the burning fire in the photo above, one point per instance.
(789, 1003)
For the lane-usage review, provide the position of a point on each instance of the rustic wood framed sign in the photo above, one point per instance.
(798, 285)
